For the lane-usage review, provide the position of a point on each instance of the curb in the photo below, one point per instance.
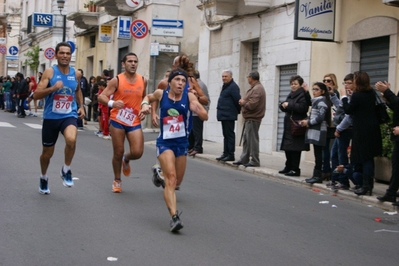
(270, 173)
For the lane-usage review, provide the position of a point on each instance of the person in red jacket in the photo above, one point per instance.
(104, 112)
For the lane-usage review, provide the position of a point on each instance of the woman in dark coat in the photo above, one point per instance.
(296, 105)
(366, 140)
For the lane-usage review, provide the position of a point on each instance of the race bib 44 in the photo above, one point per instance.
(173, 127)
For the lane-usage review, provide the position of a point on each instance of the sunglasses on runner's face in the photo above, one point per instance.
(327, 80)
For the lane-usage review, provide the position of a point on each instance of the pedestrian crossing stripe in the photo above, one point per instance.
(36, 126)
(5, 124)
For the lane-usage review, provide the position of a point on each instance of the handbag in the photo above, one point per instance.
(381, 110)
(296, 128)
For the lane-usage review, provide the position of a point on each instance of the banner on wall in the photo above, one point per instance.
(315, 21)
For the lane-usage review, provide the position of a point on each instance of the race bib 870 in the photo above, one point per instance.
(62, 104)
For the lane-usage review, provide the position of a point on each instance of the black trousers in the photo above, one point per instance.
(293, 160)
(195, 138)
(229, 142)
(21, 109)
(318, 155)
(88, 114)
(394, 182)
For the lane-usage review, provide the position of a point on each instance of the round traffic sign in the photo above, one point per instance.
(3, 49)
(139, 29)
(49, 53)
(72, 46)
(13, 50)
(133, 3)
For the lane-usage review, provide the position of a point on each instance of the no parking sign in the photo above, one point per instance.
(139, 29)
(3, 49)
(49, 53)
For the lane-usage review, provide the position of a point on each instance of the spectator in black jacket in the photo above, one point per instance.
(393, 103)
(295, 107)
(13, 92)
(228, 109)
(84, 86)
(22, 94)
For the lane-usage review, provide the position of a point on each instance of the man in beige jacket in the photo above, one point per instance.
(253, 107)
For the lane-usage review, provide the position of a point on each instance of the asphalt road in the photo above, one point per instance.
(230, 217)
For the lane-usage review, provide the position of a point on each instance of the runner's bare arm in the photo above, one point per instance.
(42, 90)
(108, 91)
(197, 107)
(163, 84)
(79, 97)
(196, 89)
(148, 99)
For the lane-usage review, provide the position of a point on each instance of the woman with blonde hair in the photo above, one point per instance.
(330, 80)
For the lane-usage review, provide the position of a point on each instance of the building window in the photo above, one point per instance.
(92, 41)
(255, 55)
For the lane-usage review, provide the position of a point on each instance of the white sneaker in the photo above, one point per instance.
(100, 135)
(107, 137)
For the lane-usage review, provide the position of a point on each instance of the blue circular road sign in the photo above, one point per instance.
(72, 46)
(13, 50)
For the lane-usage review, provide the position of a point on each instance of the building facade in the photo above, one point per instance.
(34, 24)
(242, 35)
(155, 49)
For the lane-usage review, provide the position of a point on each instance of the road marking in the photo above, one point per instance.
(5, 124)
(36, 126)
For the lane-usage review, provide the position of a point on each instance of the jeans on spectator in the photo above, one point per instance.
(7, 96)
(339, 155)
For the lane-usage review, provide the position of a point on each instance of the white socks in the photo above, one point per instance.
(66, 168)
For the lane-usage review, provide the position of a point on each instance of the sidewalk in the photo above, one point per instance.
(271, 164)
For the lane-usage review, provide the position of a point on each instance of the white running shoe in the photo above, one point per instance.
(157, 177)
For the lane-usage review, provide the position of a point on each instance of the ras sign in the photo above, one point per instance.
(42, 20)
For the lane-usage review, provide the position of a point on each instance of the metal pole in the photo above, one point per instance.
(154, 72)
(64, 29)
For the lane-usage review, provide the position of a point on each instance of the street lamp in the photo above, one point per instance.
(61, 4)
(9, 29)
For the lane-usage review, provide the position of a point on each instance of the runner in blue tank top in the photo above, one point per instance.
(175, 105)
(64, 104)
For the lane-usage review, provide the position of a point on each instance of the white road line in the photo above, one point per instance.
(5, 124)
(36, 126)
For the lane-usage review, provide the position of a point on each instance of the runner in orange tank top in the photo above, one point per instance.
(131, 94)
(128, 89)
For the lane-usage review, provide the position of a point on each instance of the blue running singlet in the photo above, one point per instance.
(62, 103)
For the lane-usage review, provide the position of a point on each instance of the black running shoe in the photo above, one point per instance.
(175, 223)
